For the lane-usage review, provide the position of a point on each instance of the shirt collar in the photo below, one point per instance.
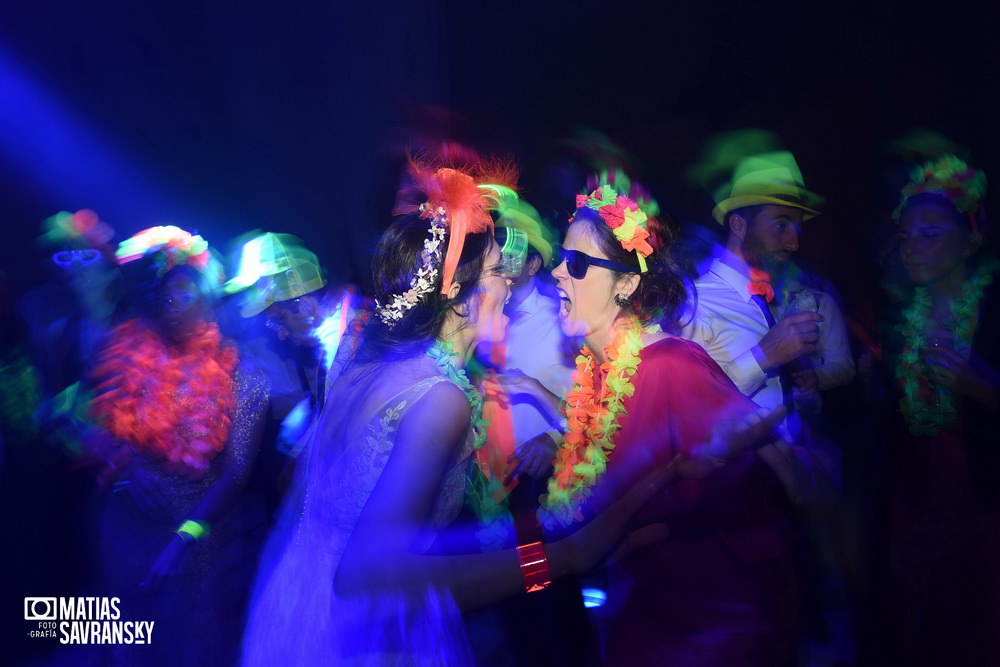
(732, 270)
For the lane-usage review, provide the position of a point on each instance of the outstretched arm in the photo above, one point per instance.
(240, 451)
(515, 382)
(384, 552)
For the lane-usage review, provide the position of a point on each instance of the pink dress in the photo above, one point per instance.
(721, 589)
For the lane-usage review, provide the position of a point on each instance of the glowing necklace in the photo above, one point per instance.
(591, 424)
(927, 411)
(479, 492)
(173, 403)
(442, 353)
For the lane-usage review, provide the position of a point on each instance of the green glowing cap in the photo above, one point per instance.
(274, 267)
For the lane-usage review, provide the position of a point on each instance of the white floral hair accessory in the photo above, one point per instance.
(457, 202)
(423, 281)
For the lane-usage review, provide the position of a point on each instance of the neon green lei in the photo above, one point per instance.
(443, 354)
(927, 411)
(479, 493)
(591, 424)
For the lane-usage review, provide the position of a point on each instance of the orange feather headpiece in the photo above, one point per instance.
(457, 201)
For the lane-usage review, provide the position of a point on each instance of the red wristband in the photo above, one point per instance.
(534, 566)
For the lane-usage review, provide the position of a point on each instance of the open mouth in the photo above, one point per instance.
(564, 303)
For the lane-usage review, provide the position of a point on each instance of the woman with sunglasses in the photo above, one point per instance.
(358, 572)
(720, 589)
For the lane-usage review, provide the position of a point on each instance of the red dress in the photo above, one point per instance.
(720, 590)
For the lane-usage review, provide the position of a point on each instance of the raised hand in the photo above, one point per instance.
(952, 370)
(790, 338)
(533, 459)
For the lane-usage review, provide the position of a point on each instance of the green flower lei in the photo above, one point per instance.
(923, 416)
(496, 525)
(443, 354)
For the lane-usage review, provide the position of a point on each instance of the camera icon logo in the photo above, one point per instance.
(40, 609)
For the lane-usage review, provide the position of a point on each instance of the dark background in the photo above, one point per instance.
(291, 116)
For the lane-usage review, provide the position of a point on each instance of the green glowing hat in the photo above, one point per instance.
(517, 214)
(767, 178)
(274, 267)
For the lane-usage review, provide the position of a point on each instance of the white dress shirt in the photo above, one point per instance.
(535, 346)
(725, 321)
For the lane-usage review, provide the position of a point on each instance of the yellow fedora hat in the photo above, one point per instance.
(768, 178)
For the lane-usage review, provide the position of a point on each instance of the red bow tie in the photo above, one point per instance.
(760, 284)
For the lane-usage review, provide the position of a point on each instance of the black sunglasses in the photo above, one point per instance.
(577, 263)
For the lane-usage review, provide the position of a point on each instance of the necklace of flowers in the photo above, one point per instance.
(951, 178)
(171, 402)
(760, 284)
(479, 493)
(443, 354)
(591, 424)
(923, 416)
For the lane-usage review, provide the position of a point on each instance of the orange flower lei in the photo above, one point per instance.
(591, 424)
(170, 402)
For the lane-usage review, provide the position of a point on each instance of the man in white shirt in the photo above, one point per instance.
(763, 211)
(536, 346)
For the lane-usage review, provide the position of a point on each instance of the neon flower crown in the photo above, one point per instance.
(457, 205)
(624, 217)
(82, 229)
(173, 247)
(951, 178)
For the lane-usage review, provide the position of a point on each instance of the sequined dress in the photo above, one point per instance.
(137, 519)
(295, 617)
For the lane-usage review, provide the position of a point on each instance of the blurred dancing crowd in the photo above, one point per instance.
(608, 440)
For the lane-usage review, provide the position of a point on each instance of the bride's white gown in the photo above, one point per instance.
(295, 619)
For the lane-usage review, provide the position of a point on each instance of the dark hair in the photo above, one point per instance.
(661, 293)
(143, 286)
(748, 213)
(395, 262)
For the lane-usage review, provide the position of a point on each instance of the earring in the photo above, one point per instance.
(621, 301)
